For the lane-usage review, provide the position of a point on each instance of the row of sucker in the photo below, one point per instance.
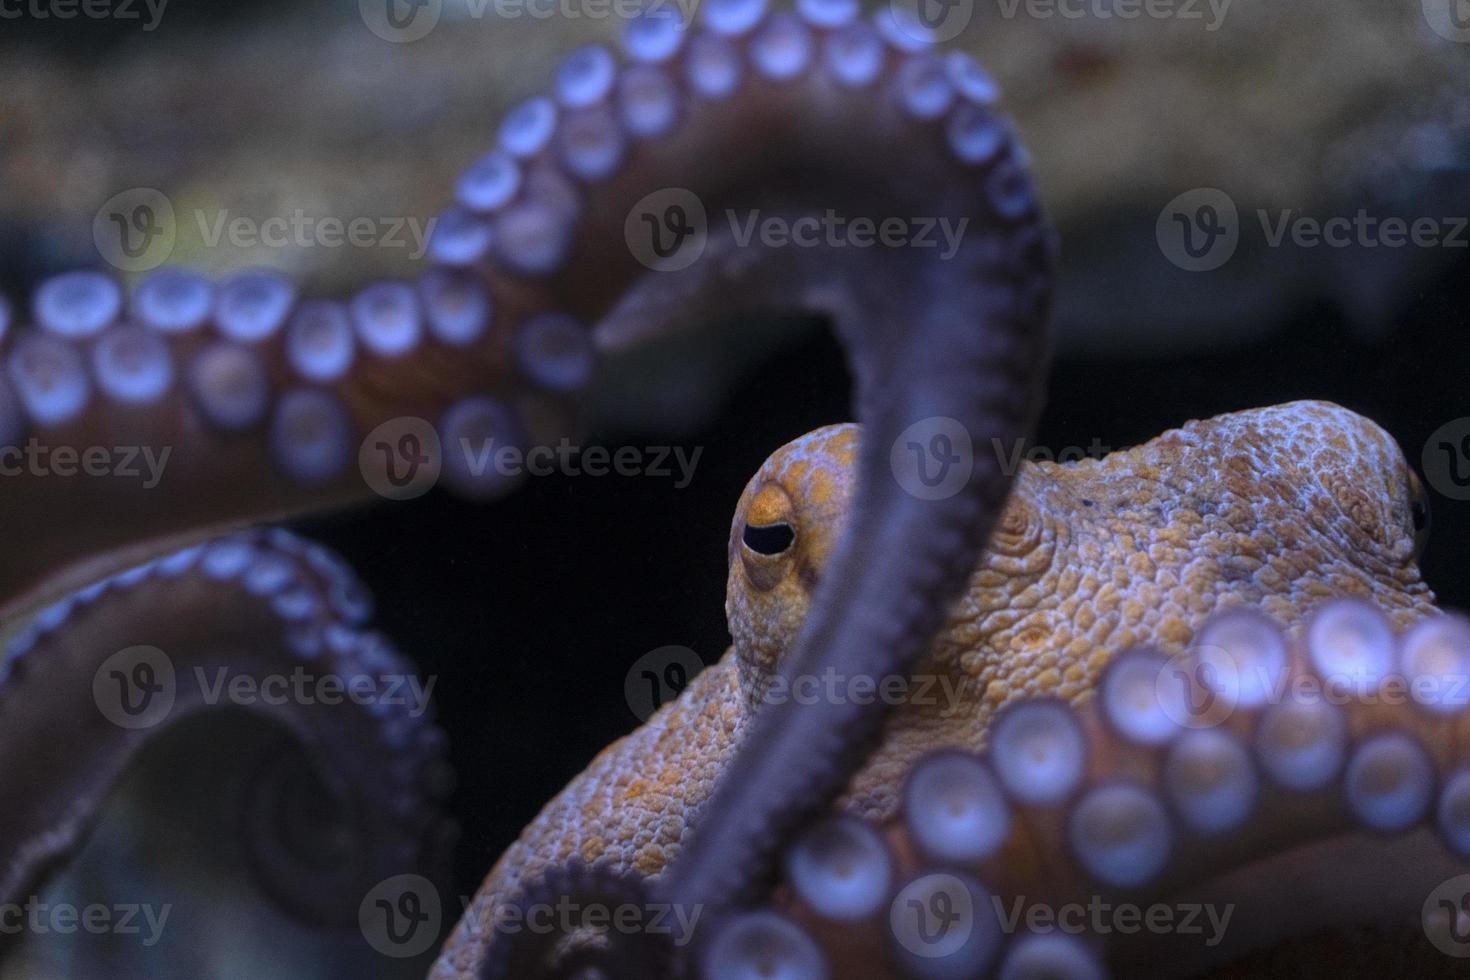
(250, 351)
(1134, 790)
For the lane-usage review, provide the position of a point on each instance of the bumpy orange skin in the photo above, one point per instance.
(1276, 509)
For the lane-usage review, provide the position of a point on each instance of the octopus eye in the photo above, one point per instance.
(768, 539)
(1420, 514)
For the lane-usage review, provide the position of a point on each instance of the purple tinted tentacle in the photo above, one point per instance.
(263, 622)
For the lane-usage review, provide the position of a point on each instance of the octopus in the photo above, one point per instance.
(1114, 728)
(1101, 577)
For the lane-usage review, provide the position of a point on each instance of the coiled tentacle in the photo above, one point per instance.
(262, 622)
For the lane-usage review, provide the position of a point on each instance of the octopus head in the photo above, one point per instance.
(1277, 508)
(1344, 473)
(786, 525)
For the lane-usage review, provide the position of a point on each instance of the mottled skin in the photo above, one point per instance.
(1276, 508)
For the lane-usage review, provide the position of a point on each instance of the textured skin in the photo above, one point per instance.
(1275, 508)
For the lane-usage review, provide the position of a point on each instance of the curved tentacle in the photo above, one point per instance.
(261, 622)
(1288, 787)
(262, 397)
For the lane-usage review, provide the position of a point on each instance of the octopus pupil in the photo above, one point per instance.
(770, 539)
(1420, 512)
